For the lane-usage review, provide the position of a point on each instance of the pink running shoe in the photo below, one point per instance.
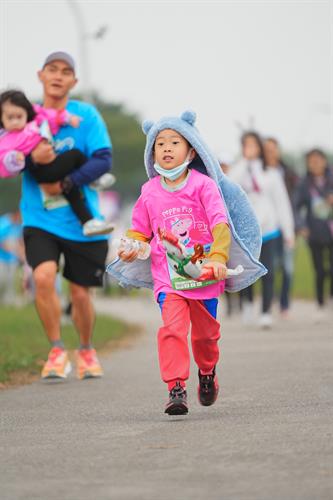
(57, 364)
(87, 364)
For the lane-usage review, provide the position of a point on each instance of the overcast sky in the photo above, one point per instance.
(227, 60)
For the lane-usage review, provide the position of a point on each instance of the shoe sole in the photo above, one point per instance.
(87, 375)
(52, 375)
(177, 409)
(205, 403)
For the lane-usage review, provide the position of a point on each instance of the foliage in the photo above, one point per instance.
(128, 146)
(10, 192)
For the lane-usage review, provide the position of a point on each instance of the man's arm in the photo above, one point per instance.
(99, 163)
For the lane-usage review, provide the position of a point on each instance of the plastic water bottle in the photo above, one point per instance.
(128, 244)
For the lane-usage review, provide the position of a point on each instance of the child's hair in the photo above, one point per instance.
(19, 99)
(176, 133)
(315, 151)
(273, 140)
(254, 135)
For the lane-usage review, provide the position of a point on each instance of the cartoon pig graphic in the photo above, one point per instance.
(180, 228)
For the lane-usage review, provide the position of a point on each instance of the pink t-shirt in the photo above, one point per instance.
(190, 213)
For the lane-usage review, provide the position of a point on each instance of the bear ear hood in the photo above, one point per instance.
(184, 124)
(189, 117)
(146, 126)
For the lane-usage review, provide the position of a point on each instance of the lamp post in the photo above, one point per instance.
(83, 37)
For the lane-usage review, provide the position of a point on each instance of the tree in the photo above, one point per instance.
(10, 193)
(128, 148)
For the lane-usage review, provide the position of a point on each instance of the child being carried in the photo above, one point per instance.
(23, 126)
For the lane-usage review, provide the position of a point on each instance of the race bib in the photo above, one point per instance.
(50, 202)
(185, 270)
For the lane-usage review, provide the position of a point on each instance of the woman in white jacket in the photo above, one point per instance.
(270, 201)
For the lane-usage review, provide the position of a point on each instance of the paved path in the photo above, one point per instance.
(268, 437)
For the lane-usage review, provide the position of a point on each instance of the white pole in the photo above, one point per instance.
(83, 50)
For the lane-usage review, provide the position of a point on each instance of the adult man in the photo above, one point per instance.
(51, 229)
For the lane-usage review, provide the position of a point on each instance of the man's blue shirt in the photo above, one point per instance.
(53, 214)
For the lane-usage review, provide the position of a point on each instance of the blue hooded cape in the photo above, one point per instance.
(246, 235)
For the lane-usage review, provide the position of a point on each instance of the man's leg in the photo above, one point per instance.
(83, 316)
(49, 310)
(84, 268)
(82, 313)
(47, 300)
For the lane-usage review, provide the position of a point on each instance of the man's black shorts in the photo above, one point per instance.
(84, 262)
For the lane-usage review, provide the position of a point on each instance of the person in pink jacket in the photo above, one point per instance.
(22, 127)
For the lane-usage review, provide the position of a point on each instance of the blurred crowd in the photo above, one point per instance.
(286, 203)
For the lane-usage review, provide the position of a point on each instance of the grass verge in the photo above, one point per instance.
(24, 346)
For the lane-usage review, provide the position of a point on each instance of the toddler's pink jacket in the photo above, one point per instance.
(26, 140)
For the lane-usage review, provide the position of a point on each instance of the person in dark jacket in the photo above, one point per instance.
(314, 213)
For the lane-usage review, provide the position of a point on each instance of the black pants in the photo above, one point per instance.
(55, 171)
(285, 261)
(318, 252)
(267, 254)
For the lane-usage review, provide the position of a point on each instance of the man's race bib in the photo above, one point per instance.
(50, 202)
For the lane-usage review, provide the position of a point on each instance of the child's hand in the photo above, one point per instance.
(19, 157)
(219, 269)
(290, 243)
(43, 153)
(128, 256)
(75, 121)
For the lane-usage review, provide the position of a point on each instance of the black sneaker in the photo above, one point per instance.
(208, 389)
(177, 404)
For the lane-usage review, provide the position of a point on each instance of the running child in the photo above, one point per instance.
(23, 126)
(180, 210)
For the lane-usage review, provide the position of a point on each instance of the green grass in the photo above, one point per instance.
(303, 279)
(23, 344)
(303, 283)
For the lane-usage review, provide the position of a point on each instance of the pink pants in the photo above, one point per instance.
(177, 314)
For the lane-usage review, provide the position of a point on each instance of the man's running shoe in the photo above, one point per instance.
(177, 404)
(94, 227)
(57, 364)
(208, 389)
(87, 364)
